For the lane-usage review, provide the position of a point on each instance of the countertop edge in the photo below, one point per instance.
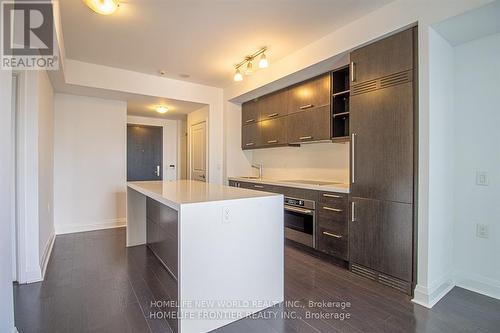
(326, 188)
(155, 196)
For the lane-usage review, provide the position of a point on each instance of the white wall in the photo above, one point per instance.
(6, 204)
(477, 69)
(442, 163)
(318, 161)
(171, 143)
(45, 164)
(89, 163)
(194, 118)
(183, 149)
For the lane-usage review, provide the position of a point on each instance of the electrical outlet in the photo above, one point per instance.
(481, 230)
(226, 215)
(482, 178)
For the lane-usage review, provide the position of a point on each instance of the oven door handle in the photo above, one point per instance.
(299, 210)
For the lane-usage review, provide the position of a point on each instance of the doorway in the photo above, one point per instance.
(198, 152)
(144, 152)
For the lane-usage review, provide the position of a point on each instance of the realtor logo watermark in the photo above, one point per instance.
(28, 36)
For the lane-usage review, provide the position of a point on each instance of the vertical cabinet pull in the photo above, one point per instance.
(353, 69)
(353, 157)
(353, 217)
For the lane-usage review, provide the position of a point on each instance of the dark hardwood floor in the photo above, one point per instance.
(95, 284)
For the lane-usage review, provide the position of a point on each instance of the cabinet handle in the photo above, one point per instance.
(305, 137)
(353, 157)
(258, 186)
(331, 235)
(332, 196)
(353, 68)
(272, 141)
(249, 144)
(307, 106)
(333, 209)
(249, 121)
(353, 218)
(272, 115)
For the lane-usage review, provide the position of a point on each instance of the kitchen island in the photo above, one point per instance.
(222, 246)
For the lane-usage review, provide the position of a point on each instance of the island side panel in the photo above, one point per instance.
(162, 240)
(136, 218)
(230, 250)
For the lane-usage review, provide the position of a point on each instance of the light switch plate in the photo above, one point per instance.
(482, 178)
(482, 230)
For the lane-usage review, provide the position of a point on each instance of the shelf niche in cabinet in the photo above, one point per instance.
(340, 102)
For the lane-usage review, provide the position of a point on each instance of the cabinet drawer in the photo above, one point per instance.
(334, 222)
(332, 243)
(333, 199)
(258, 187)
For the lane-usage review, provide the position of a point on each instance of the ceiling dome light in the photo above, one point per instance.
(161, 109)
(103, 7)
(249, 69)
(237, 76)
(263, 63)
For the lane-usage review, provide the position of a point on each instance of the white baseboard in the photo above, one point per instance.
(107, 224)
(428, 297)
(46, 254)
(478, 284)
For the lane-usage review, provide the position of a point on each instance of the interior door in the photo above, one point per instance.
(198, 151)
(144, 152)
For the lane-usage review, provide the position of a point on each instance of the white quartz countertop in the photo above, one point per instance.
(176, 193)
(333, 186)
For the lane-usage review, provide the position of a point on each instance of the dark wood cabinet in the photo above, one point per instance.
(332, 232)
(250, 112)
(310, 94)
(381, 237)
(381, 122)
(273, 105)
(250, 136)
(382, 144)
(273, 132)
(391, 55)
(309, 125)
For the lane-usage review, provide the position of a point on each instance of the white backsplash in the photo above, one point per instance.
(317, 161)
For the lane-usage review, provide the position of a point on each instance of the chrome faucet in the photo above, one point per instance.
(258, 166)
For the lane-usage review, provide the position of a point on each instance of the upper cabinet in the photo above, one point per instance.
(250, 112)
(391, 55)
(310, 94)
(250, 136)
(273, 105)
(311, 125)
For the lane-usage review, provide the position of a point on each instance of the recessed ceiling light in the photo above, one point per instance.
(103, 7)
(162, 72)
(161, 109)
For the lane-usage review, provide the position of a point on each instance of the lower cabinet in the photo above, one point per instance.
(332, 232)
(380, 238)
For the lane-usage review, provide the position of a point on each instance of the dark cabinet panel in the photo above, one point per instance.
(250, 112)
(380, 237)
(382, 144)
(393, 54)
(332, 242)
(274, 105)
(310, 94)
(250, 136)
(273, 132)
(309, 125)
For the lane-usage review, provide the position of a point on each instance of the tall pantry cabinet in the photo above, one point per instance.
(382, 129)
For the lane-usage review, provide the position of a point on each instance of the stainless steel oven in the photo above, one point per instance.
(299, 220)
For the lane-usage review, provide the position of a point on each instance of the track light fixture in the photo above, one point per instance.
(263, 63)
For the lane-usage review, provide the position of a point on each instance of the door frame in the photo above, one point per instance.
(190, 151)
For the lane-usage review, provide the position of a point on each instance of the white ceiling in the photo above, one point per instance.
(199, 37)
(472, 25)
(145, 106)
